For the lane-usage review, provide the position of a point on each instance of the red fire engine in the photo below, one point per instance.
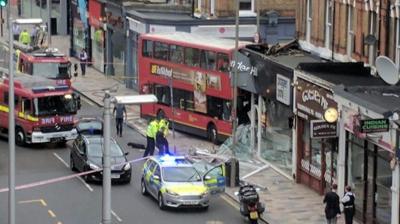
(44, 62)
(44, 110)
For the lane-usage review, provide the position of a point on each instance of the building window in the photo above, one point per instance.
(246, 8)
(350, 30)
(328, 23)
(398, 42)
(373, 31)
(309, 20)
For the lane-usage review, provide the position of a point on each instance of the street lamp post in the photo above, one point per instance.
(235, 74)
(11, 113)
(108, 99)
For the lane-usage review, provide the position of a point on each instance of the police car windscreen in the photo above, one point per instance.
(180, 174)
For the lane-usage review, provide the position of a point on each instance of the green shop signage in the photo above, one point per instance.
(374, 125)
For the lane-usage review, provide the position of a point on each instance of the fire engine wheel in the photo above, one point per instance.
(212, 133)
(20, 138)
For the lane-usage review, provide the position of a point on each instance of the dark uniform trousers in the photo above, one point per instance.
(150, 147)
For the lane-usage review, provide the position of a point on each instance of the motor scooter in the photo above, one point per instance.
(250, 205)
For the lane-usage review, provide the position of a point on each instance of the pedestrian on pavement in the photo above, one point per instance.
(151, 133)
(119, 112)
(348, 204)
(25, 37)
(332, 205)
(83, 58)
(161, 137)
(16, 31)
(75, 70)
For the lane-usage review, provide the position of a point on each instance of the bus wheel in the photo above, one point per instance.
(161, 114)
(212, 133)
(20, 139)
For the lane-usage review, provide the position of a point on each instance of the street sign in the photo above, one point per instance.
(374, 125)
(323, 129)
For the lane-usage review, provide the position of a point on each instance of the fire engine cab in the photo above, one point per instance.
(45, 62)
(44, 110)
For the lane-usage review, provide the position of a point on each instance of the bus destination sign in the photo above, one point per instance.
(374, 125)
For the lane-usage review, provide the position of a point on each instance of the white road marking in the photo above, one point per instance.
(116, 216)
(80, 178)
(61, 160)
(88, 101)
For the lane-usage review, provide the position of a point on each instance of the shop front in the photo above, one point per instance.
(96, 15)
(367, 165)
(80, 29)
(317, 141)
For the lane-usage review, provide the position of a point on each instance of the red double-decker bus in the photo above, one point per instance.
(197, 69)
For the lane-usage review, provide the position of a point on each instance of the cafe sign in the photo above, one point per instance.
(312, 100)
(323, 129)
(374, 125)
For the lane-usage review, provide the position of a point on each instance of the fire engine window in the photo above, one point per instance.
(54, 105)
(161, 51)
(183, 99)
(207, 60)
(26, 105)
(163, 94)
(148, 48)
(192, 57)
(176, 54)
(222, 62)
(6, 98)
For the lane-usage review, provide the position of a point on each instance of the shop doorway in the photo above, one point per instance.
(370, 177)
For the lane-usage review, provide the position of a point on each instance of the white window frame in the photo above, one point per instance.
(398, 43)
(249, 13)
(373, 31)
(309, 21)
(328, 23)
(350, 31)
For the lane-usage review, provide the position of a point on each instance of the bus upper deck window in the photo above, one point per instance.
(176, 54)
(148, 48)
(222, 62)
(192, 57)
(161, 51)
(207, 60)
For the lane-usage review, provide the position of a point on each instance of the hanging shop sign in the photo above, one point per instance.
(323, 129)
(374, 125)
(312, 101)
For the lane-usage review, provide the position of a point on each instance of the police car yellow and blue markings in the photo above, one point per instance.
(171, 189)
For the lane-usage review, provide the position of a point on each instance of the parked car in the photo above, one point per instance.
(90, 126)
(87, 154)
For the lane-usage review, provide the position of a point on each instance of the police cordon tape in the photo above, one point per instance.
(59, 179)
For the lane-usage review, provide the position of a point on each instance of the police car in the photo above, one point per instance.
(176, 182)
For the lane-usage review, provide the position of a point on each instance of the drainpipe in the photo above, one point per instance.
(395, 194)
(341, 160)
(387, 25)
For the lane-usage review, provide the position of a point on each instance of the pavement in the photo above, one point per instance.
(286, 201)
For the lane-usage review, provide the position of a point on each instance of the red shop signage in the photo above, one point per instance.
(95, 12)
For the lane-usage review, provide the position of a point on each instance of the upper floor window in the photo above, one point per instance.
(350, 30)
(247, 7)
(328, 23)
(397, 42)
(309, 20)
(373, 30)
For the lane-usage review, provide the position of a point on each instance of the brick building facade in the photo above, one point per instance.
(356, 30)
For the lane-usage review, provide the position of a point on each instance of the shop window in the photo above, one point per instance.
(176, 54)
(192, 57)
(147, 48)
(350, 30)
(161, 51)
(183, 99)
(208, 60)
(163, 94)
(222, 62)
(246, 5)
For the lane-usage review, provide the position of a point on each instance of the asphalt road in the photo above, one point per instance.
(73, 201)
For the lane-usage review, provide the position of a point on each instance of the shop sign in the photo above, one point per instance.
(313, 100)
(323, 129)
(374, 125)
(282, 89)
(136, 26)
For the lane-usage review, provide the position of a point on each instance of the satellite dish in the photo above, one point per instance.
(387, 70)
